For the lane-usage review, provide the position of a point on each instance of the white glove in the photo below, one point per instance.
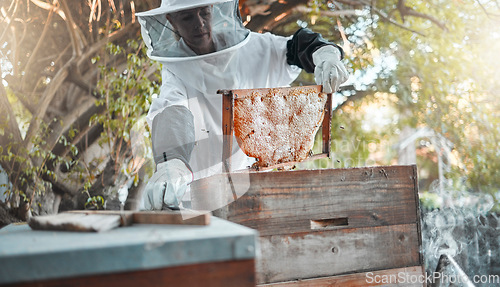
(167, 186)
(329, 71)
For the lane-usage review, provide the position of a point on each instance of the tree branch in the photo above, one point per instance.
(48, 6)
(76, 78)
(92, 50)
(358, 95)
(486, 11)
(47, 97)
(352, 3)
(263, 22)
(27, 104)
(8, 118)
(388, 19)
(27, 67)
(11, 127)
(328, 13)
(9, 19)
(408, 11)
(72, 28)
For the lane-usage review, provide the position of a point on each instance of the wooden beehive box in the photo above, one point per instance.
(327, 227)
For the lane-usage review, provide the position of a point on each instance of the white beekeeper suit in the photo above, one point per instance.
(204, 47)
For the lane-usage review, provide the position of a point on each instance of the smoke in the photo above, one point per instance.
(462, 228)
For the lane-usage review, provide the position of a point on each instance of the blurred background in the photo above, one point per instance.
(424, 90)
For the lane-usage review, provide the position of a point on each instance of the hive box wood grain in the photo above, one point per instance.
(325, 223)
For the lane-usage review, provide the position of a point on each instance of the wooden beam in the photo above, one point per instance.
(102, 220)
(75, 222)
(335, 252)
(326, 130)
(184, 217)
(394, 277)
(239, 273)
(227, 127)
(287, 202)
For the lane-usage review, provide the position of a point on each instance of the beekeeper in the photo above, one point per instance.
(204, 47)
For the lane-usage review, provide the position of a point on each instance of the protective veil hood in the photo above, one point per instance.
(179, 29)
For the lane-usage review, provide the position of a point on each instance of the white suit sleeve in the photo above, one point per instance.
(171, 122)
(172, 92)
(281, 72)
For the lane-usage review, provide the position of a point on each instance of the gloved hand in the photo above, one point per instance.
(167, 186)
(329, 71)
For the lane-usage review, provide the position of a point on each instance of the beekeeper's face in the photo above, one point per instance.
(195, 27)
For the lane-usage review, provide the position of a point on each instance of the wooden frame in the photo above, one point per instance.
(228, 97)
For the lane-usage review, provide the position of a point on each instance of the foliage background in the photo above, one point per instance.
(76, 85)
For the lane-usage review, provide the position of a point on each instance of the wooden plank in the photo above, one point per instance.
(75, 222)
(335, 252)
(289, 164)
(103, 220)
(184, 217)
(326, 129)
(417, 211)
(126, 217)
(293, 201)
(212, 274)
(227, 128)
(243, 93)
(407, 276)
